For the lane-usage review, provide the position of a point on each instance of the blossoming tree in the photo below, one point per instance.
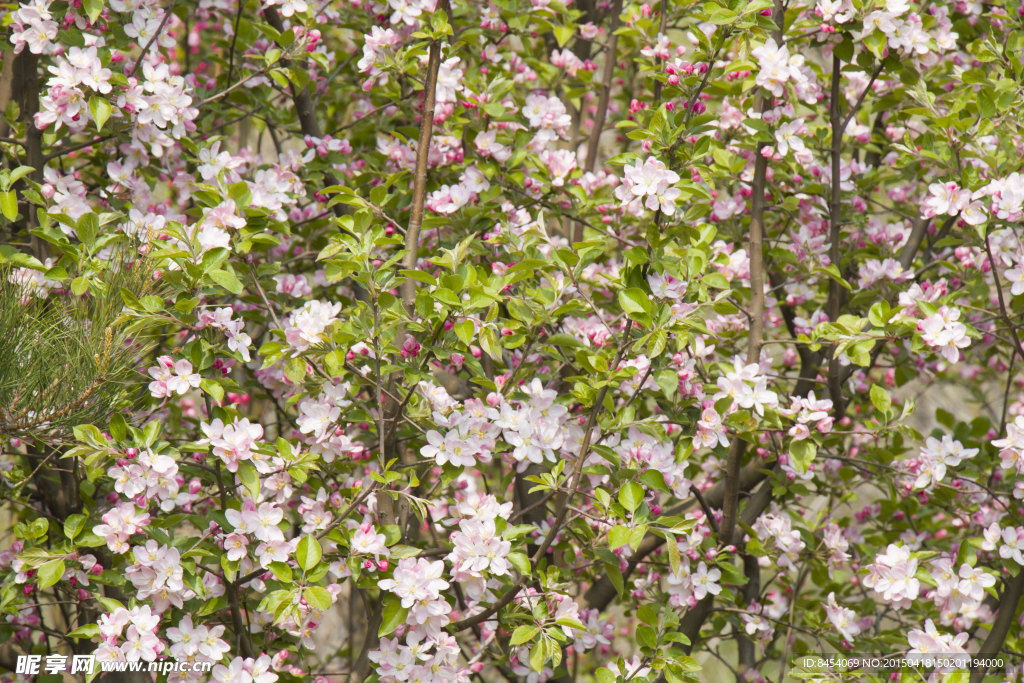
(434, 340)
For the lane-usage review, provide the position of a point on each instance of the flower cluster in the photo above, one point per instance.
(944, 332)
(651, 184)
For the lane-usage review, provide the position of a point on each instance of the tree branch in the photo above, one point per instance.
(1002, 303)
(419, 188)
(610, 60)
(838, 125)
(1004, 619)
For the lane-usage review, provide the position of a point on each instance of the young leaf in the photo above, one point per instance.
(50, 573)
(631, 495)
(393, 617)
(317, 597)
(9, 204)
(524, 634)
(308, 552)
(247, 473)
(99, 107)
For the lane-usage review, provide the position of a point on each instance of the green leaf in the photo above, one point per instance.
(539, 655)
(393, 617)
(392, 534)
(520, 562)
(833, 272)
(880, 397)
(93, 8)
(152, 303)
(400, 552)
(281, 571)
(634, 300)
(100, 109)
(723, 16)
(86, 631)
(130, 300)
(631, 495)
(618, 536)
(731, 575)
(74, 525)
(56, 273)
(615, 576)
(109, 604)
(214, 389)
(571, 623)
(308, 552)
(118, 427)
(563, 34)
(295, 370)
(524, 634)
(646, 636)
(563, 339)
(317, 597)
(654, 479)
(668, 382)
(247, 473)
(514, 532)
(657, 343)
(802, 453)
(673, 553)
(50, 573)
(465, 330)
(87, 228)
(19, 173)
(9, 205)
(489, 343)
(226, 280)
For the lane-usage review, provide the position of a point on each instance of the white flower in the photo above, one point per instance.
(704, 581)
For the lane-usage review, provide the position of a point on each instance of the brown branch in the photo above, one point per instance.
(1004, 620)
(244, 645)
(705, 507)
(511, 593)
(477, 619)
(1002, 303)
(662, 22)
(82, 145)
(730, 503)
(152, 40)
(610, 60)
(602, 592)
(303, 102)
(835, 386)
(419, 188)
(860, 100)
